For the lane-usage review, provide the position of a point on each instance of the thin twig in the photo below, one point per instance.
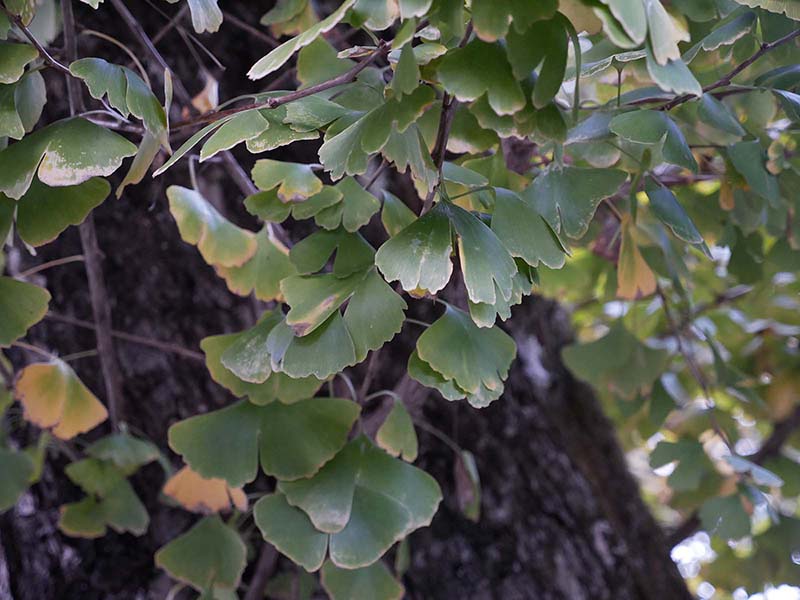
(51, 263)
(244, 26)
(342, 79)
(98, 295)
(369, 375)
(35, 350)
(727, 79)
(48, 58)
(130, 337)
(265, 567)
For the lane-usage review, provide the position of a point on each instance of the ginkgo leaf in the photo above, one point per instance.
(21, 105)
(261, 274)
(354, 210)
(278, 57)
(485, 314)
(618, 362)
(206, 15)
(635, 279)
(419, 255)
(239, 128)
(365, 499)
(568, 197)
(476, 359)
(22, 306)
(13, 58)
(716, 114)
(395, 215)
(666, 207)
(749, 160)
(544, 42)
(295, 181)
(54, 398)
(397, 435)
(44, 211)
(664, 33)
(292, 441)
(631, 16)
(651, 127)
(111, 502)
(726, 516)
(201, 495)
(353, 252)
(126, 452)
(220, 242)
(692, 462)
(406, 72)
(525, 232)
(480, 68)
(492, 17)
(673, 76)
(726, 34)
(210, 555)
(16, 469)
(126, 92)
(277, 386)
(375, 582)
(64, 153)
(786, 7)
(485, 263)
(314, 298)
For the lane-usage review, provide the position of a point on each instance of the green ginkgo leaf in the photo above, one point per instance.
(476, 359)
(485, 263)
(16, 469)
(673, 76)
(353, 252)
(726, 516)
(485, 314)
(44, 211)
(663, 32)
(295, 181)
(126, 92)
(567, 197)
(419, 255)
(716, 114)
(374, 581)
(692, 463)
(652, 127)
(314, 298)
(617, 362)
(631, 16)
(220, 242)
(13, 58)
(211, 555)
(277, 386)
(240, 128)
(290, 531)
(206, 15)
(292, 440)
(666, 207)
(262, 274)
(491, 18)
(395, 215)
(22, 306)
(480, 68)
(749, 159)
(366, 500)
(397, 435)
(525, 232)
(125, 451)
(111, 502)
(406, 72)
(21, 105)
(64, 153)
(544, 42)
(278, 57)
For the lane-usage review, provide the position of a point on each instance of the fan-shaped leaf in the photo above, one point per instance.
(201, 495)
(22, 306)
(374, 582)
(397, 435)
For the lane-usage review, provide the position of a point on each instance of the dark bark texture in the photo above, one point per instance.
(561, 517)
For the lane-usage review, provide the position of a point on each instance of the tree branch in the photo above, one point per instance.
(205, 118)
(265, 567)
(727, 79)
(48, 58)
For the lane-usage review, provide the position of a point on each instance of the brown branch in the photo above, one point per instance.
(727, 79)
(265, 567)
(130, 337)
(98, 295)
(342, 79)
(48, 58)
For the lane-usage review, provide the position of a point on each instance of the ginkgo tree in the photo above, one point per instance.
(636, 158)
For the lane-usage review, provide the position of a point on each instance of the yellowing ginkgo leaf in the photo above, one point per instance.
(197, 494)
(220, 242)
(635, 279)
(54, 398)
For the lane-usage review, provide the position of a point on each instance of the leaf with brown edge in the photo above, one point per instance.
(54, 398)
(635, 279)
(264, 272)
(220, 242)
(295, 181)
(201, 495)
